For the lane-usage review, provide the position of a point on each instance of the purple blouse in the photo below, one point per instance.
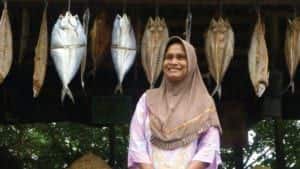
(205, 149)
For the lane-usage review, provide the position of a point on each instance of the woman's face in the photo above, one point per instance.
(175, 63)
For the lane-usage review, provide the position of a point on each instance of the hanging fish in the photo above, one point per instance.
(86, 20)
(156, 33)
(219, 47)
(292, 48)
(24, 34)
(6, 46)
(188, 27)
(100, 39)
(258, 59)
(41, 56)
(123, 48)
(68, 46)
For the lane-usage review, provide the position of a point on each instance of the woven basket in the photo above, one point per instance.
(261, 167)
(89, 161)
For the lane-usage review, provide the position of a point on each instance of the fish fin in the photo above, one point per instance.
(66, 91)
(119, 89)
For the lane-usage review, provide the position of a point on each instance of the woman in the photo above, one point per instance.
(176, 126)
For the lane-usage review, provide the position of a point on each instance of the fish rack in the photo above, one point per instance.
(99, 107)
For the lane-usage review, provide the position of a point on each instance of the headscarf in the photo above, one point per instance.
(180, 112)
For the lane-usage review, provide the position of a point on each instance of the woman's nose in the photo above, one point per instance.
(174, 60)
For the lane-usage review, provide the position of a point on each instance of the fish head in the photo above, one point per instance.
(150, 21)
(102, 15)
(162, 25)
(68, 21)
(116, 30)
(150, 25)
(117, 21)
(125, 24)
(295, 24)
(217, 26)
(213, 23)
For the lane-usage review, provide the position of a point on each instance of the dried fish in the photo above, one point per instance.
(292, 49)
(123, 48)
(219, 47)
(155, 35)
(188, 27)
(100, 39)
(258, 59)
(41, 57)
(68, 46)
(86, 20)
(6, 46)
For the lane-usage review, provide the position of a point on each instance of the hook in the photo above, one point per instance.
(188, 6)
(124, 6)
(220, 8)
(156, 8)
(5, 3)
(87, 3)
(46, 3)
(257, 8)
(295, 10)
(69, 5)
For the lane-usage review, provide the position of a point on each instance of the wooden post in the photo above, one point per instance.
(274, 65)
(278, 130)
(112, 143)
(238, 157)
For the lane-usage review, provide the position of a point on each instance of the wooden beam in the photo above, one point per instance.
(171, 2)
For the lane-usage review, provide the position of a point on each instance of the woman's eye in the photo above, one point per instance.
(181, 57)
(168, 57)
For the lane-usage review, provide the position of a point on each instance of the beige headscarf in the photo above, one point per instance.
(180, 112)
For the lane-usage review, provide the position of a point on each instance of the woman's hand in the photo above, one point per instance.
(145, 166)
(198, 165)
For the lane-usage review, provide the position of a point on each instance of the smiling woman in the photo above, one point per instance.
(175, 62)
(176, 125)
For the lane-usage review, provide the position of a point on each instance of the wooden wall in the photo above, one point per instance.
(17, 104)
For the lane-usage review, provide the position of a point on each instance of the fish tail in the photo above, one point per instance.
(1, 78)
(82, 67)
(82, 83)
(83, 87)
(217, 90)
(151, 85)
(260, 89)
(292, 86)
(35, 91)
(66, 91)
(119, 89)
(93, 73)
(82, 80)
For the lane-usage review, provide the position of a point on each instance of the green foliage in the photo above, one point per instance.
(56, 145)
